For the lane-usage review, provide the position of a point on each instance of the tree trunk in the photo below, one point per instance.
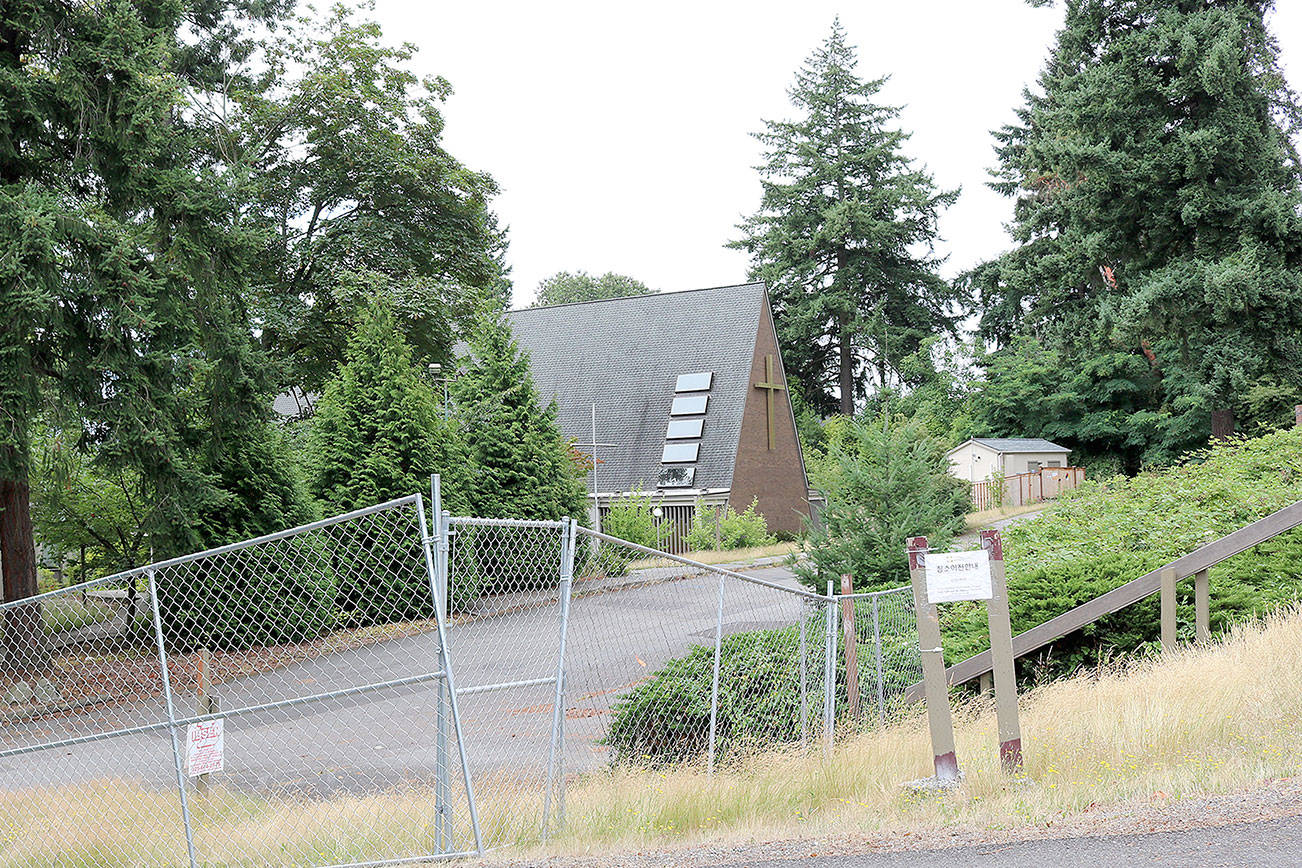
(1222, 424)
(846, 373)
(23, 646)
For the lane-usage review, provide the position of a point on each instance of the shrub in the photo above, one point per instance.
(246, 599)
(886, 479)
(1110, 531)
(667, 717)
(736, 530)
(630, 518)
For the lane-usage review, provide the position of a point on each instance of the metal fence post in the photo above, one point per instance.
(804, 679)
(442, 784)
(556, 751)
(877, 644)
(171, 719)
(448, 677)
(829, 672)
(714, 688)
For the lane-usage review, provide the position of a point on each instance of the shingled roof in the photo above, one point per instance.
(1020, 444)
(625, 355)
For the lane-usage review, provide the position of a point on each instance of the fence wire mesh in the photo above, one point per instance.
(319, 651)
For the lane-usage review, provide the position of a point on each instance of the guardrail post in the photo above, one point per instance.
(940, 720)
(1168, 579)
(1202, 607)
(1001, 656)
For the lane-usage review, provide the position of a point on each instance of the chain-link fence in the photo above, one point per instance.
(358, 721)
(268, 702)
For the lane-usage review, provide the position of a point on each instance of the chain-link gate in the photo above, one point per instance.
(365, 723)
(316, 657)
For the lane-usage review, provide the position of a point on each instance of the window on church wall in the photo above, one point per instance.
(689, 405)
(682, 429)
(699, 382)
(675, 453)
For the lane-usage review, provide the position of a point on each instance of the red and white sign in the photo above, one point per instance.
(204, 744)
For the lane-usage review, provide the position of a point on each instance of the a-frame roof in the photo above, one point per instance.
(625, 355)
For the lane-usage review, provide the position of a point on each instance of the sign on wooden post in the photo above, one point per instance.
(1001, 655)
(851, 647)
(205, 742)
(939, 719)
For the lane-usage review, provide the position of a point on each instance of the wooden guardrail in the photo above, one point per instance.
(1196, 564)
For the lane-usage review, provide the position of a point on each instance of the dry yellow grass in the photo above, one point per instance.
(1198, 721)
(1201, 720)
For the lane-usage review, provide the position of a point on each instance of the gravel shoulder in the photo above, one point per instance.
(1158, 831)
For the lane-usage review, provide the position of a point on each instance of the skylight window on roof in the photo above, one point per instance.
(676, 453)
(684, 429)
(689, 405)
(698, 382)
(676, 477)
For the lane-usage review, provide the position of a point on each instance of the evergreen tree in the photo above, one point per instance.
(886, 479)
(120, 224)
(1158, 217)
(565, 287)
(378, 432)
(522, 465)
(839, 232)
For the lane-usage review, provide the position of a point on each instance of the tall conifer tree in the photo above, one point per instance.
(1158, 216)
(379, 432)
(522, 465)
(844, 233)
(120, 230)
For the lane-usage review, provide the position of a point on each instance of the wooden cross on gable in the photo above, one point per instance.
(770, 386)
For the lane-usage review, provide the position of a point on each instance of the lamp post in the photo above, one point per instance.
(436, 376)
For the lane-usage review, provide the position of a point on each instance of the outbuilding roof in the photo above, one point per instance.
(625, 355)
(1019, 444)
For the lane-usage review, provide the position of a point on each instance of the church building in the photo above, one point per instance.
(682, 395)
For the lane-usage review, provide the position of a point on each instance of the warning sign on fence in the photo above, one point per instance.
(954, 576)
(204, 744)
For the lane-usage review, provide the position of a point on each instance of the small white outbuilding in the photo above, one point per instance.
(982, 458)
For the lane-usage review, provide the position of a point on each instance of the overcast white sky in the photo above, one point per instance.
(618, 132)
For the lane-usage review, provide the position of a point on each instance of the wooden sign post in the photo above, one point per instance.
(1001, 656)
(851, 647)
(939, 719)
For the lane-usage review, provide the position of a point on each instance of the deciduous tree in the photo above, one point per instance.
(360, 197)
(566, 287)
